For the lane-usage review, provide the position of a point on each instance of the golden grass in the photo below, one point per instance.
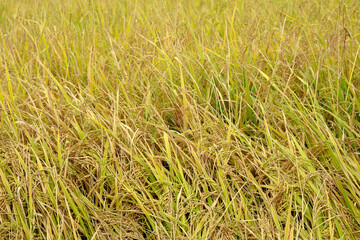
(179, 119)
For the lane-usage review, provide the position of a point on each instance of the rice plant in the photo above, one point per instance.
(188, 119)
